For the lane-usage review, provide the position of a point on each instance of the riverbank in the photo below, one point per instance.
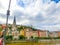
(40, 42)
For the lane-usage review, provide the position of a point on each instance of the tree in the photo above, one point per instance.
(19, 28)
(0, 29)
(21, 37)
(10, 27)
(31, 37)
(10, 37)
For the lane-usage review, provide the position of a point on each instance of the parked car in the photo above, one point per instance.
(1, 41)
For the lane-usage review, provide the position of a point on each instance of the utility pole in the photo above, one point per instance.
(8, 13)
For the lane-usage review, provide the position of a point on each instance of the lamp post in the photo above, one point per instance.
(8, 13)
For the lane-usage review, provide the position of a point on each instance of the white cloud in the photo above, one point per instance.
(24, 22)
(51, 28)
(2, 20)
(38, 12)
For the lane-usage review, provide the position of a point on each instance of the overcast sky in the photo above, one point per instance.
(41, 14)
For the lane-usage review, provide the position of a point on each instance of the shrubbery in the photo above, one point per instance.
(21, 37)
(9, 37)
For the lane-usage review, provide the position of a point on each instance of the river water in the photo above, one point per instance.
(41, 42)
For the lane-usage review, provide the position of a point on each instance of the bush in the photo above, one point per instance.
(21, 37)
(31, 37)
(9, 37)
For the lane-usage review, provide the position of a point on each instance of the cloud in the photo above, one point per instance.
(25, 3)
(56, 1)
(0, 5)
(42, 14)
(51, 28)
(2, 18)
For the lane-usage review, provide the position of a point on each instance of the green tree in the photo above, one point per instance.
(10, 37)
(0, 28)
(21, 37)
(31, 37)
(19, 28)
(10, 27)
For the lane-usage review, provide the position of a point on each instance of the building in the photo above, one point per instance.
(14, 31)
(22, 32)
(53, 34)
(14, 24)
(28, 33)
(42, 33)
(35, 34)
(58, 33)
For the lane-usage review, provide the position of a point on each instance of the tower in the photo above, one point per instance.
(14, 24)
(15, 33)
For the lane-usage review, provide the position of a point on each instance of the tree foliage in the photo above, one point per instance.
(0, 28)
(21, 37)
(10, 37)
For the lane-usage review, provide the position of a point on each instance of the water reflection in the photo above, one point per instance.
(41, 42)
(57, 44)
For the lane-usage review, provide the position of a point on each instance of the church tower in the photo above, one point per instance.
(14, 24)
(15, 33)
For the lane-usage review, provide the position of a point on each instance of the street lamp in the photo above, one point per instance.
(8, 13)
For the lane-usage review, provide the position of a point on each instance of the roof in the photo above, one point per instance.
(14, 21)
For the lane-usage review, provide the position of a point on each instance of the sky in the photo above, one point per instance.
(41, 14)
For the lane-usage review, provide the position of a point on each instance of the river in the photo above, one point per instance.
(41, 42)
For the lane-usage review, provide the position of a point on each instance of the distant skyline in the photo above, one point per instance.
(41, 14)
